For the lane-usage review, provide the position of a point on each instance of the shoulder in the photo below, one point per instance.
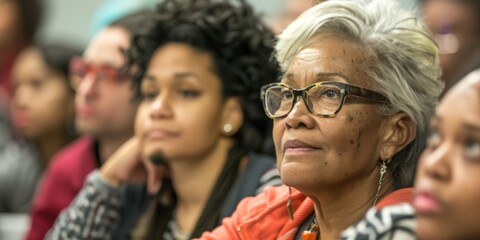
(403, 195)
(18, 159)
(392, 222)
(267, 199)
(73, 155)
(71, 165)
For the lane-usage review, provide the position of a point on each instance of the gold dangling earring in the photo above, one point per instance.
(289, 203)
(383, 170)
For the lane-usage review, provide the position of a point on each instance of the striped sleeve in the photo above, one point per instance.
(394, 222)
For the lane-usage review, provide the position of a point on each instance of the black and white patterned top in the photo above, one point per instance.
(394, 222)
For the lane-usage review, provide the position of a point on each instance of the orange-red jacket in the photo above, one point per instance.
(266, 217)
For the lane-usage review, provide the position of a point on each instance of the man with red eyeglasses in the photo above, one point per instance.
(105, 112)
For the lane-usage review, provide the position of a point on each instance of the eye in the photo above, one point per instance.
(286, 94)
(148, 95)
(79, 72)
(188, 93)
(107, 72)
(472, 148)
(36, 84)
(434, 139)
(331, 93)
(322, 93)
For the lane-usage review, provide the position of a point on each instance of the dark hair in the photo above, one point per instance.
(240, 44)
(31, 14)
(57, 56)
(133, 21)
(241, 47)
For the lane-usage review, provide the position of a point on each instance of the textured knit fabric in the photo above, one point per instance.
(20, 170)
(265, 216)
(61, 182)
(103, 212)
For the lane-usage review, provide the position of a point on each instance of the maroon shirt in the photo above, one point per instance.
(61, 182)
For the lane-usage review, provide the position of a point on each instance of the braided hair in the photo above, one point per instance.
(241, 47)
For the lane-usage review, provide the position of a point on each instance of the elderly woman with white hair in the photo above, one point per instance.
(360, 83)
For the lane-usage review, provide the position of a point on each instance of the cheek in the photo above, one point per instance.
(465, 192)
(8, 19)
(349, 133)
(354, 138)
(141, 119)
(277, 134)
(199, 122)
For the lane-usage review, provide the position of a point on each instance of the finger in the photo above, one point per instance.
(122, 163)
(154, 177)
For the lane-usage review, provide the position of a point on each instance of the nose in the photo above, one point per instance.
(20, 97)
(299, 116)
(161, 107)
(87, 86)
(436, 163)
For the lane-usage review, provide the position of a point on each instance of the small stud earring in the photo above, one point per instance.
(227, 128)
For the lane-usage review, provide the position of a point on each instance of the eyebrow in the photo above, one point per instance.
(471, 127)
(467, 126)
(179, 76)
(290, 76)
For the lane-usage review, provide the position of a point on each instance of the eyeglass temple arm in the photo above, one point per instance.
(367, 94)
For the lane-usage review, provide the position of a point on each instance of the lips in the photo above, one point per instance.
(427, 203)
(160, 134)
(297, 146)
(21, 118)
(85, 111)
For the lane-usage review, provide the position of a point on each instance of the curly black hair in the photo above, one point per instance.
(242, 50)
(239, 42)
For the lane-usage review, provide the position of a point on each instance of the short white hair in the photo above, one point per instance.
(405, 61)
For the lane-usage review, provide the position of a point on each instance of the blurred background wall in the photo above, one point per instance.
(76, 21)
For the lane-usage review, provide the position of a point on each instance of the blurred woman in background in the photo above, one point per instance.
(43, 114)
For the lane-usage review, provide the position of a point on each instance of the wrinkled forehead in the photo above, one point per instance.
(329, 53)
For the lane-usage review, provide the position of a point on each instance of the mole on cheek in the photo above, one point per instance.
(350, 118)
(351, 141)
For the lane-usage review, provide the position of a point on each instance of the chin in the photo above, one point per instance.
(427, 230)
(295, 177)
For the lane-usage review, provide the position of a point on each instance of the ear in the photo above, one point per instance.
(399, 131)
(232, 116)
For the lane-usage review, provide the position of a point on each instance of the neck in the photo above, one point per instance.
(339, 207)
(48, 146)
(194, 180)
(108, 145)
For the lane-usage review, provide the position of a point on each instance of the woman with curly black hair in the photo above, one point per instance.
(199, 130)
